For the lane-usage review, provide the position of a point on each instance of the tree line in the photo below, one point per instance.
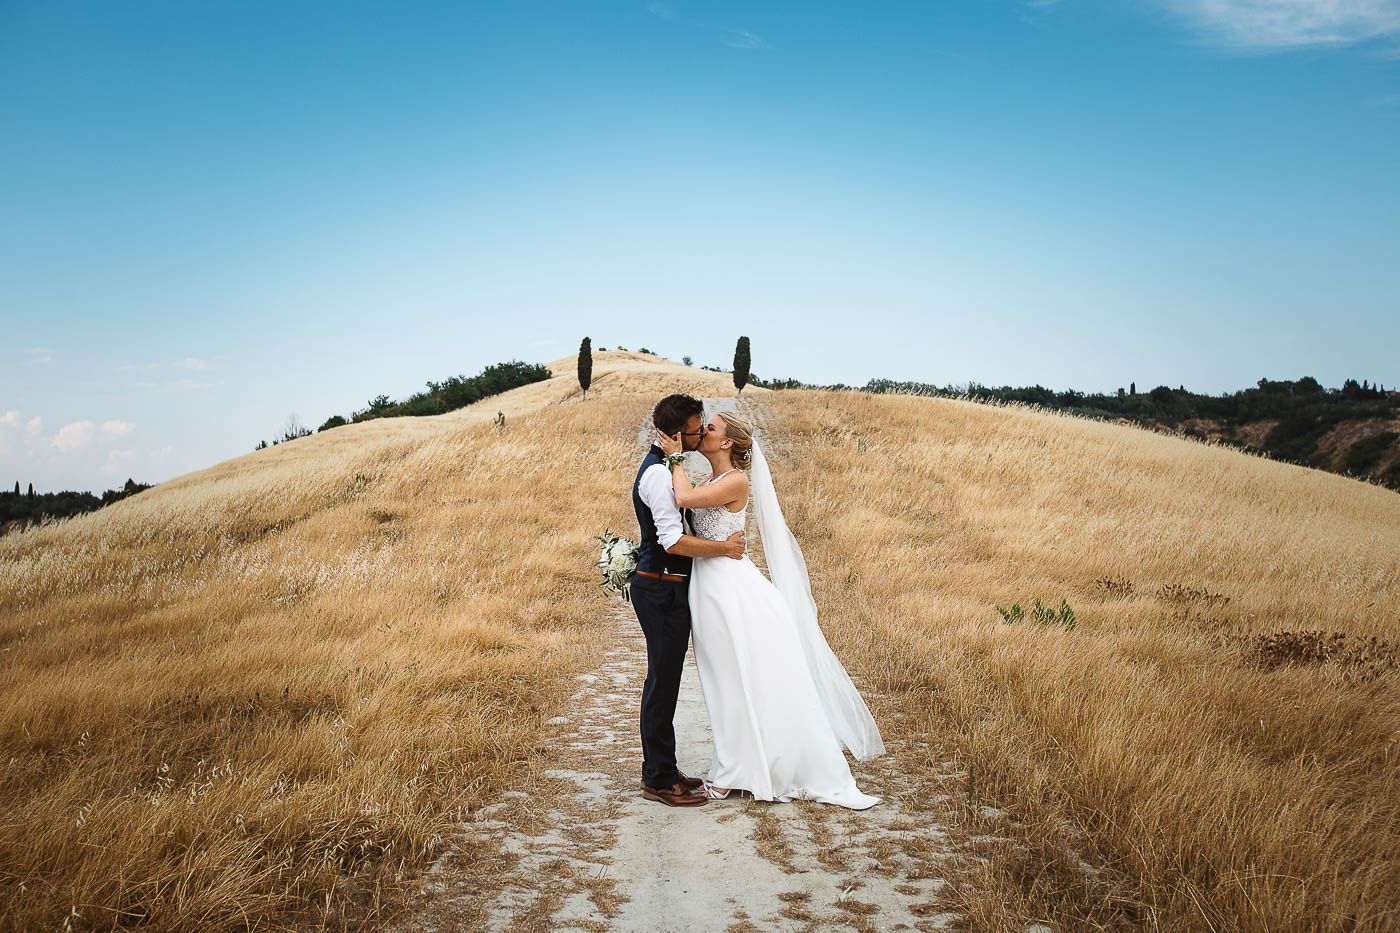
(438, 398)
(30, 507)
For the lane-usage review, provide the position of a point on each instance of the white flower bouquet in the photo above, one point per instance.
(618, 561)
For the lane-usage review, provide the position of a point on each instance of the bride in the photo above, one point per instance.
(781, 705)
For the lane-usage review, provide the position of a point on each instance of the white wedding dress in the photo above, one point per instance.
(781, 705)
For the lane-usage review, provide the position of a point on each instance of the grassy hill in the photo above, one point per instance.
(277, 680)
(1216, 735)
(262, 693)
(1354, 429)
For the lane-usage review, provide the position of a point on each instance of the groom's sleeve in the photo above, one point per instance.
(660, 496)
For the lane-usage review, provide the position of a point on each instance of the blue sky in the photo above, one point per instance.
(218, 214)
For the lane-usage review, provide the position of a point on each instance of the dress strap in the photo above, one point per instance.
(724, 474)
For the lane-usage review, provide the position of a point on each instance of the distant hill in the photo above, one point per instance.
(1353, 430)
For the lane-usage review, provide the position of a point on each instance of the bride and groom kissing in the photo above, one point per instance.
(781, 706)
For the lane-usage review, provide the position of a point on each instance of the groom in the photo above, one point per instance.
(660, 597)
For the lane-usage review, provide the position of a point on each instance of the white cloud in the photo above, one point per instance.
(9, 420)
(39, 355)
(71, 437)
(115, 460)
(736, 38)
(192, 362)
(1264, 25)
(117, 428)
(741, 39)
(158, 455)
(33, 426)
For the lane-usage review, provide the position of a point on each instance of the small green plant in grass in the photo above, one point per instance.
(1013, 615)
(500, 419)
(1040, 614)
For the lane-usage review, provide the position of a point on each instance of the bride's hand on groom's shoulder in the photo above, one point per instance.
(668, 444)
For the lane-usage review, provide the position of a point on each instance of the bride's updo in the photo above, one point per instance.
(739, 430)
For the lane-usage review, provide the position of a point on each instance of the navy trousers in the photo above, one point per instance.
(663, 610)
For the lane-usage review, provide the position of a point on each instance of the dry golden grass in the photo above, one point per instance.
(261, 694)
(1212, 791)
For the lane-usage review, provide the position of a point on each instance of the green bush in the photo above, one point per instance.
(457, 391)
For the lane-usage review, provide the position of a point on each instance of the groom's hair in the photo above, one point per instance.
(673, 411)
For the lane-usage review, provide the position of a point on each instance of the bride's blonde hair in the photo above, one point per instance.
(739, 430)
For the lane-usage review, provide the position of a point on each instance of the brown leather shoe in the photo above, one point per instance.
(677, 795)
(690, 782)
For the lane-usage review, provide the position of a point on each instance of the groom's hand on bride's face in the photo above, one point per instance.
(736, 545)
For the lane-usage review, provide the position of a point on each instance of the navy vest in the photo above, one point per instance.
(653, 556)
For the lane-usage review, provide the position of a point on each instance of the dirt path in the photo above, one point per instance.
(581, 849)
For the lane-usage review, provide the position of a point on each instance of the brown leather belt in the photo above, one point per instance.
(674, 578)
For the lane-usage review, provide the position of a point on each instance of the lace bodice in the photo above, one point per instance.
(716, 522)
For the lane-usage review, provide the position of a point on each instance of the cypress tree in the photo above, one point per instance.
(585, 365)
(31, 490)
(741, 364)
(16, 489)
(1132, 388)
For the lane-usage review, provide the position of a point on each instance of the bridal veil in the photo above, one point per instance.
(849, 716)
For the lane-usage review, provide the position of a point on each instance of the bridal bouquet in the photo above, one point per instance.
(618, 561)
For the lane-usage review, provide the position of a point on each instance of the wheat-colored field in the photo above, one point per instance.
(1216, 775)
(259, 695)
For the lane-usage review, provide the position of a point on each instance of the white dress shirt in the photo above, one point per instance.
(659, 495)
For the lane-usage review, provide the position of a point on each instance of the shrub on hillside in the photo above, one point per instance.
(457, 391)
(1295, 438)
(1365, 454)
(420, 404)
